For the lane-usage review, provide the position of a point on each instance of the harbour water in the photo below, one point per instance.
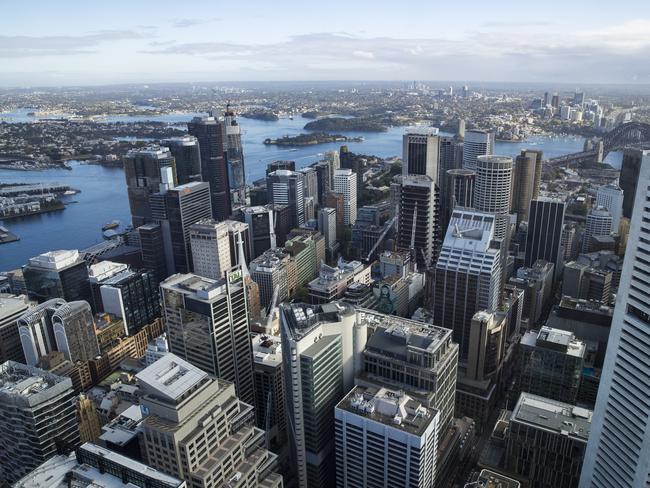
(103, 195)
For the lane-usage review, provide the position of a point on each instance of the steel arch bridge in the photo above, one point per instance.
(617, 138)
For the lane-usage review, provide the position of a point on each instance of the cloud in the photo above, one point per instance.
(184, 23)
(28, 46)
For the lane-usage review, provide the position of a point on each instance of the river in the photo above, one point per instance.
(103, 195)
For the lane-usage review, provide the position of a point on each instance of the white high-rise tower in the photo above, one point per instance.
(618, 453)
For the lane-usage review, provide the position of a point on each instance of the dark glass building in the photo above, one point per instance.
(630, 168)
(214, 169)
(544, 237)
(186, 152)
(57, 274)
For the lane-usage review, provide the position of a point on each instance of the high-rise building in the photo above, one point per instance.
(153, 251)
(599, 223)
(327, 227)
(128, 294)
(546, 442)
(527, 176)
(467, 274)
(187, 156)
(197, 429)
(417, 358)
(268, 227)
(421, 154)
(58, 326)
(334, 200)
(286, 187)
(210, 244)
(323, 178)
(549, 364)
(12, 307)
(459, 192)
(619, 443)
(492, 192)
(334, 161)
(235, 160)
(269, 389)
(93, 466)
(57, 274)
(611, 198)
(214, 168)
(208, 325)
(476, 143)
(385, 438)
(345, 183)
(184, 205)
(274, 269)
(311, 183)
(145, 171)
(418, 228)
(633, 160)
(37, 418)
(317, 356)
(544, 237)
(555, 101)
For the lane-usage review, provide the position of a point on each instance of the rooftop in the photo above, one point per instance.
(170, 377)
(555, 339)
(491, 479)
(153, 151)
(553, 416)
(199, 287)
(20, 380)
(392, 408)
(267, 349)
(301, 318)
(395, 335)
(55, 260)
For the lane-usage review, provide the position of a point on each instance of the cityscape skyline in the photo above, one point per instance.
(561, 42)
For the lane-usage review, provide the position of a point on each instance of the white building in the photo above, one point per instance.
(618, 453)
(611, 197)
(319, 346)
(385, 438)
(345, 182)
(210, 248)
(477, 143)
(156, 349)
(421, 154)
(599, 223)
(493, 189)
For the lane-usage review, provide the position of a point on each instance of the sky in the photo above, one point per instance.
(69, 42)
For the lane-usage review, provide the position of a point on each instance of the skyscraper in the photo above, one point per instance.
(235, 160)
(184, 205)
(187, 156)
(311, 183)
(126, 293)
(334, 161)
(619, 442)
(58, 326)
(197, 429)
(418, 219)
(599, 223)
(214, 171)
(459, 188)
(421, 154)
(544, 237)
(345, 183)
(492, 192)
(633, 160)
(144, 170)
(317, 357)
(334, 200)
(327, 227)
(385, 438)
(526, 180)
(207, 325)
(611, 197)
(210, 244)
(37, 418)
(57, 274)
(467, 274)
(263, 225)
(476, 143)
(285, 187)
(11, 308)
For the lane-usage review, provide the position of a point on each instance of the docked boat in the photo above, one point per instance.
(111, 225)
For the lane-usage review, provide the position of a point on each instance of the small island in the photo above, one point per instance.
(343, 124)
(265, 115)
(311, 139)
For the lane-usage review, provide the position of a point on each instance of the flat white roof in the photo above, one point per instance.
(171, 376)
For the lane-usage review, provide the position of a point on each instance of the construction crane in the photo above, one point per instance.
(388, 227)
